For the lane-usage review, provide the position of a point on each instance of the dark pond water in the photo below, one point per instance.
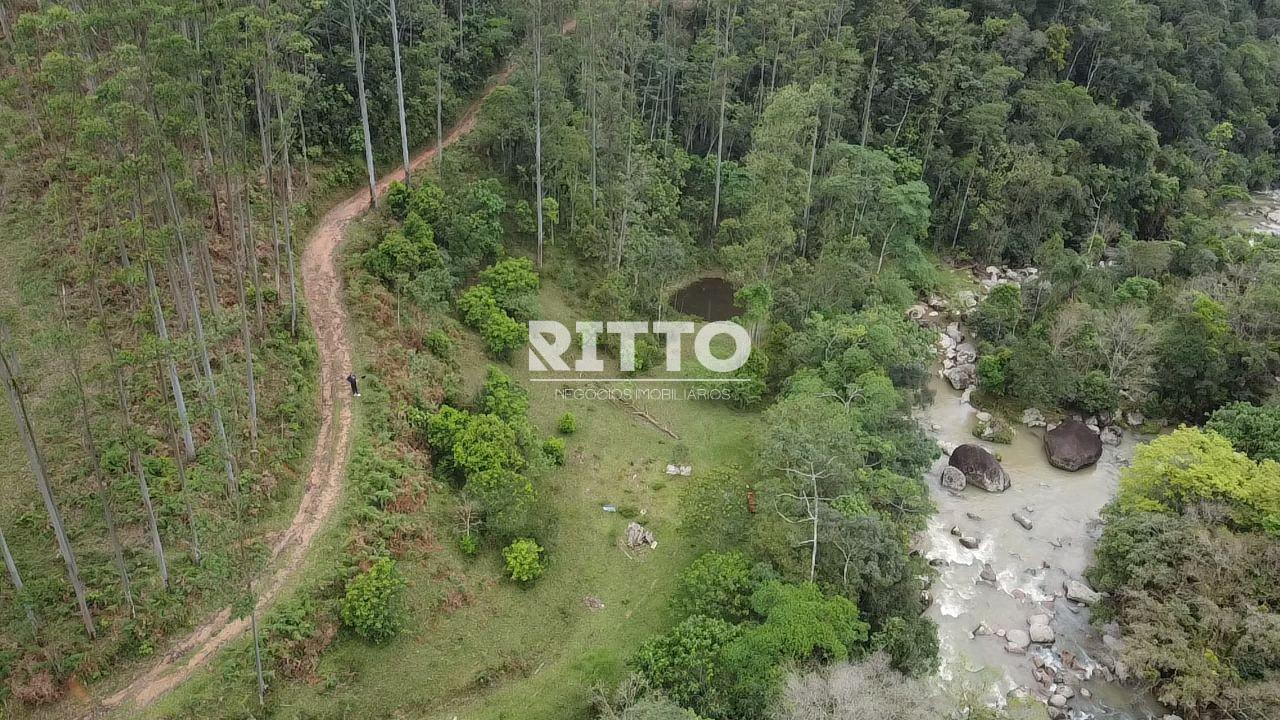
(710, 298)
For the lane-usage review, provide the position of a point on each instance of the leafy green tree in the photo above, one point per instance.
(1176, 472)
(1194, 363)
(999, 314)
(716, 585)
(373, 603)
(1252, 429)
(524, 560)
(686, 663)
(514, 285)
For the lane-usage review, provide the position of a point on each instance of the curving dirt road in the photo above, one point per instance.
(322, 286)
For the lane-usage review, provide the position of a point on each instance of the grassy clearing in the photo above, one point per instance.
(481, 647)
(478, 645)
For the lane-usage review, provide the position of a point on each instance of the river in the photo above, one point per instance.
(1030, 566)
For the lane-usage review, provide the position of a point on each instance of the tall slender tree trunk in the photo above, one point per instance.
(245, 251)
(537, 120)
(36, 462)
(196, 553)
(871, 84)
(724, 97)
(808, 188)
(287, 168)
(364, 105)
(171, 367)
(264, 119)
(95, 464)
(211, 387)
(15, 577)
(404, 126)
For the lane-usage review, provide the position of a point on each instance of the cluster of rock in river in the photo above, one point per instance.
(1072, 443)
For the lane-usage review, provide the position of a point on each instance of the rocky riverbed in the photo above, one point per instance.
(1002, 606)
(1010, 599)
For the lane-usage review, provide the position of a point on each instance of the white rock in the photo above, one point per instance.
(1111, 435)
(1081, 593)
(1019, 638)
(1041, 634)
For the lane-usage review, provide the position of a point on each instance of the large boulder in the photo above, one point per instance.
(980, 468)
(952, 479)
(962, 377)
(1072, 446)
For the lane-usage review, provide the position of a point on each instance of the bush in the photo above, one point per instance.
(1253, 430)
(717, 585)
(373, 604)
(1093, 394)
(991, 370)
(523, 558)
(553, 449)
(468, 545)
(480, 311)
(503, 396)
(397, 199)
(439, 343)
(568, 424)
(514, 285)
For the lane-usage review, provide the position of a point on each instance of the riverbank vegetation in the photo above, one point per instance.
(1188, 559)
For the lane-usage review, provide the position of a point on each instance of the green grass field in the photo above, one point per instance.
(536, 652)
(480, 646)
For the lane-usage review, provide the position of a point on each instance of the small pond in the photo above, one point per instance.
(710, 298)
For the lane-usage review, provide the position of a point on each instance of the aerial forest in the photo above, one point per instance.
(277, 449)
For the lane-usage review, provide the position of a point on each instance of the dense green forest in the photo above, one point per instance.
(837, 162)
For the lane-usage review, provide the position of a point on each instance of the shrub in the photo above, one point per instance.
(1093, 393)
(480, 311)
(503, 396)
(991, 370)
(439, 343)
(373, 604)
(514, 285)
(468, 545)
(524, 560)
(717, 584)
(568, 424)
(397, 200)
(553, 449)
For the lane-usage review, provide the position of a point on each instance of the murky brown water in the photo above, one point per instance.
(1030, 565)
(710, 298)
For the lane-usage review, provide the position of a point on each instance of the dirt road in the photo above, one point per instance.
(322, 286)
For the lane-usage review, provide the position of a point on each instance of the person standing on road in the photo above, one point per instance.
(351, 380)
